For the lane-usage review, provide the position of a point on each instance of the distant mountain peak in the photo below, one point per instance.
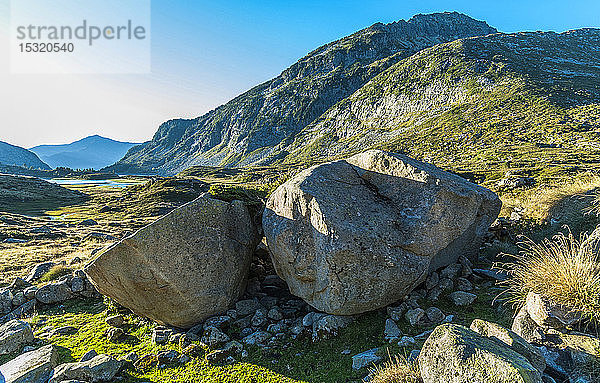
(93, 151)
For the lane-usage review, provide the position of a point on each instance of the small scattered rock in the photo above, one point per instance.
(434, 315)
(214, 337)
(414, 316)
(115, 320)
(39, 270)
(462, 298)
(365, 359)
(88, 356)
(392, 331)
(54, 293)
(114, 334)
(257, 338)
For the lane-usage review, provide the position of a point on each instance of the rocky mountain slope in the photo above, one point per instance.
(245, 130)
(530, 99)
(11, 155)
(93, 152)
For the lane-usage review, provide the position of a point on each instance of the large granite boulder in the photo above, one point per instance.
(358, 234)
(185, 267)
(456, 354)
(31, 367)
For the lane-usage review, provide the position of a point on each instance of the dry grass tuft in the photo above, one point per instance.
(539, 202)
(564, 269)
(594, 207)
(397, 370)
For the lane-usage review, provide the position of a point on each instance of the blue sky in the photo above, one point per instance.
(206, 52)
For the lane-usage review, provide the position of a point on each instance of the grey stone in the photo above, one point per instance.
(6, 298)
(221, 321)
(392, 331)
(167, 356)
(193, 262)
(451, 271)
(462, 298)
(432, 280)
(114, 334)
(14, 335)
(275, 314)
(456, 354)
(18, 298)
(161, 335)
(77, 285)
(444, 285)
(434, 315)
(214, 337)
(57, 292)
(101, 368)
(463, 284)
(311, 317)
(258, 338)
(20, 311)
(526, 328)
(406, 341)
(31, 367)
(115, 320)
(365, 359)
(259, 318)
(247, 307)
(397, 313)
(277, 327)
(557, 362)
(414, 316)
(384, 219)
(88, 356)
(512, 340)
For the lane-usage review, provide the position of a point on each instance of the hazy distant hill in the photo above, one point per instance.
(16, 156)
(91, 152)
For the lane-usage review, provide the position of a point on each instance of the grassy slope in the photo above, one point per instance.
(523, 102)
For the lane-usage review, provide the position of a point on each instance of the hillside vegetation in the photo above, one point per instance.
(247, 129)
(525, 101)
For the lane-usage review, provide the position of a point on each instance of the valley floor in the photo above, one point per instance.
(72, 235)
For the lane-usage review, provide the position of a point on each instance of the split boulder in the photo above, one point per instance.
(355, 235)
(187, 266)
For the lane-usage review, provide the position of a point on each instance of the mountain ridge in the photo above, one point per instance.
(245, 130)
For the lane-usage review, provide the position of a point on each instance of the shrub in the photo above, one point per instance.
(564, 269)
(55, 273)
(397, 370)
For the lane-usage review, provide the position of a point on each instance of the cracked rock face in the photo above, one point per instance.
(189, 265)
(355, 235)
